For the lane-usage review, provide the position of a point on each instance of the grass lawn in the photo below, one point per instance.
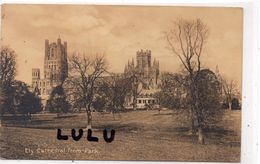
(140, 135)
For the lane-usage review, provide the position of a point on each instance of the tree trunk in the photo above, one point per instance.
(229, 106)
(1, 118)
(134, 103)
(193, 126)
(201, 135)
(113, 115)
(89, 118)
(193, 130)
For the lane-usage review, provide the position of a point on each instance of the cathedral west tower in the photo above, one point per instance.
(55, 68)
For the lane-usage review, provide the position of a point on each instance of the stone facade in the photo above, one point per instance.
(148, 73)
(55, 69)
(148, 82)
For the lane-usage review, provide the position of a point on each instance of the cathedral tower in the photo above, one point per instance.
(55, 67)
(55, 62)
(147, 71)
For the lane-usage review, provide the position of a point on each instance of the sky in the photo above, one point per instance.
(118, 32)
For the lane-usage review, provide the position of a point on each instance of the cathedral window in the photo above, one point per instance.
(52, 52)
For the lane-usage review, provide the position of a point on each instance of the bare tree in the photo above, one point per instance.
(186, 40)
(133, 77)
(81, 83)
(116, 87)
(230, 91)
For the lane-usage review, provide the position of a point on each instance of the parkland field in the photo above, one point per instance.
(140, 135)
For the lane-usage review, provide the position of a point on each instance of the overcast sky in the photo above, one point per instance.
(119, 31)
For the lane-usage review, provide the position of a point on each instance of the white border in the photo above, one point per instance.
(251, 78)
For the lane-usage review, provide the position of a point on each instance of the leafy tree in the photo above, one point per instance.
(3, 98)
(24, 101)
(7, 74)
(99, 103)
(209, 96)
(7, 66)
(57, 102)
(235, 104)
(172, 90)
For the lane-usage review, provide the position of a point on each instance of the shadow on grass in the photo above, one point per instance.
(161, 114)
(215, 135)
(218, 131)
(219, 135)
(42, 124)
(117, 126)
(62, 117)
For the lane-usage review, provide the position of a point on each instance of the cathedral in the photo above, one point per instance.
(55, 69)
(147, 73)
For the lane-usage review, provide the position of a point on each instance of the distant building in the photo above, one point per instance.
(147, 75)
(55, 69)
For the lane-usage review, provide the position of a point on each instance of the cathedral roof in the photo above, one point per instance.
(149, 91)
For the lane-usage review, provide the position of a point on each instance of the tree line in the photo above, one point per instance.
(15, 96)
(196, 91)
(91, 87)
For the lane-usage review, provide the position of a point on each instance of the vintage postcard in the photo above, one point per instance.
(107, 82)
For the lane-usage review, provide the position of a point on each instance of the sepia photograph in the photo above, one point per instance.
(121, 82)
